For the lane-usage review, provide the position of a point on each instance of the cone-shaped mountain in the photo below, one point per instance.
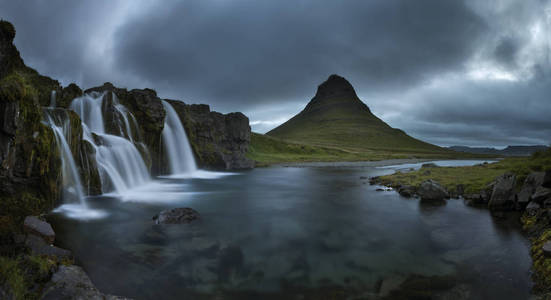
(336, 117)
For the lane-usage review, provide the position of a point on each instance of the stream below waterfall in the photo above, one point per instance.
(293, 233)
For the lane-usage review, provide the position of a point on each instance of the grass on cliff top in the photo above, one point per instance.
(473, 178)
(266, 150)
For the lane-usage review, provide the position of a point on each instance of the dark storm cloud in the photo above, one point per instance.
(449, 72)
(253, 52)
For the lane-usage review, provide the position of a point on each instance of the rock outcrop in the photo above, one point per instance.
(41, 228)
(183, 215)
(218, 140)
(30, 166)
(503, 194)
(531, 182)
(431, 190)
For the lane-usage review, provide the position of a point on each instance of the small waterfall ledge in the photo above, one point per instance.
(121, 167)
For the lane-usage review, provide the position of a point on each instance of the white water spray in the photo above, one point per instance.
(180, 155)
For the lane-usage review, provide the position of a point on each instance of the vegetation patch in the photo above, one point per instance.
(473, 178)
(266, 150)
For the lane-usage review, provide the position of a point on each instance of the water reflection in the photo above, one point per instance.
(279, 233)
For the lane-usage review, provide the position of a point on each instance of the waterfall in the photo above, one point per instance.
(72, 187)
(121, 166)
(180, 155)
(52, 99)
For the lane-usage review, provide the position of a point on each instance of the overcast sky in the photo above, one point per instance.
(474, 73)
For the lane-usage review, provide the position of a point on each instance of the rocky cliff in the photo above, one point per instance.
(219, 141)
(30, 162)
(30, 167)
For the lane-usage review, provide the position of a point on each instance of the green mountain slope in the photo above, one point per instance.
(336, 117)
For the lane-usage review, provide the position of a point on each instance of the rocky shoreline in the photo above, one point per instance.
(505, 194)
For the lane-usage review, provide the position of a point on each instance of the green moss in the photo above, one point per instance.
(541, 264)
(473, 178)
(24, 276)
(12, 277)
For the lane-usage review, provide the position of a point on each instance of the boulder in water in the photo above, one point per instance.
(184, 215)
(431, 190)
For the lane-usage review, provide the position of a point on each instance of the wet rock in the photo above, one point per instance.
(503, 196)
(41, 228)
(406, 191)
(183, 215)
(71, 282)
(431, 190)
(39, 247)
(541, 195)
(531, 182)
(532, 208)
(547, 249)
(380, 190)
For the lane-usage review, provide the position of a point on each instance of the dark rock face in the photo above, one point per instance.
(503, 195)
(30, 166)
(528, 188)
(532, 209)
(542, 195)
(71, 282)
(547, 179)
(184, 215)
(43, 229)
(431, 190)
(218, 141)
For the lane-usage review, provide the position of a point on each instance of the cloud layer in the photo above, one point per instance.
(448, 72)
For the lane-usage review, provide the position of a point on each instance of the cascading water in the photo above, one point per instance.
(72, 187)
(180, 155)
(120, 164)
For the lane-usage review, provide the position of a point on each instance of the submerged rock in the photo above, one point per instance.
(431, 190)
(407, 191)
(183, 215)
(503, 196)
(41, 228)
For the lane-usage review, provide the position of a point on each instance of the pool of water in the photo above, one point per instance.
(294, 233)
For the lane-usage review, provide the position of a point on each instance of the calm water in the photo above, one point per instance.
(293, 233)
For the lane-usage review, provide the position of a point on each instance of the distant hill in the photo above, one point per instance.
(336, 117)
(509, 151)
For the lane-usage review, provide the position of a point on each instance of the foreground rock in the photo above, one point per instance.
(547, 249)
(503, 194)
(71, 282)
(432, 191)
(39, 247)
(43, 229)
(183, 215)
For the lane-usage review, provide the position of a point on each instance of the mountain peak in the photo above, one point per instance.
(335, 86)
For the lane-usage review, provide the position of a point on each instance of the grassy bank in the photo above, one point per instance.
(473, 178)
(266, 150)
